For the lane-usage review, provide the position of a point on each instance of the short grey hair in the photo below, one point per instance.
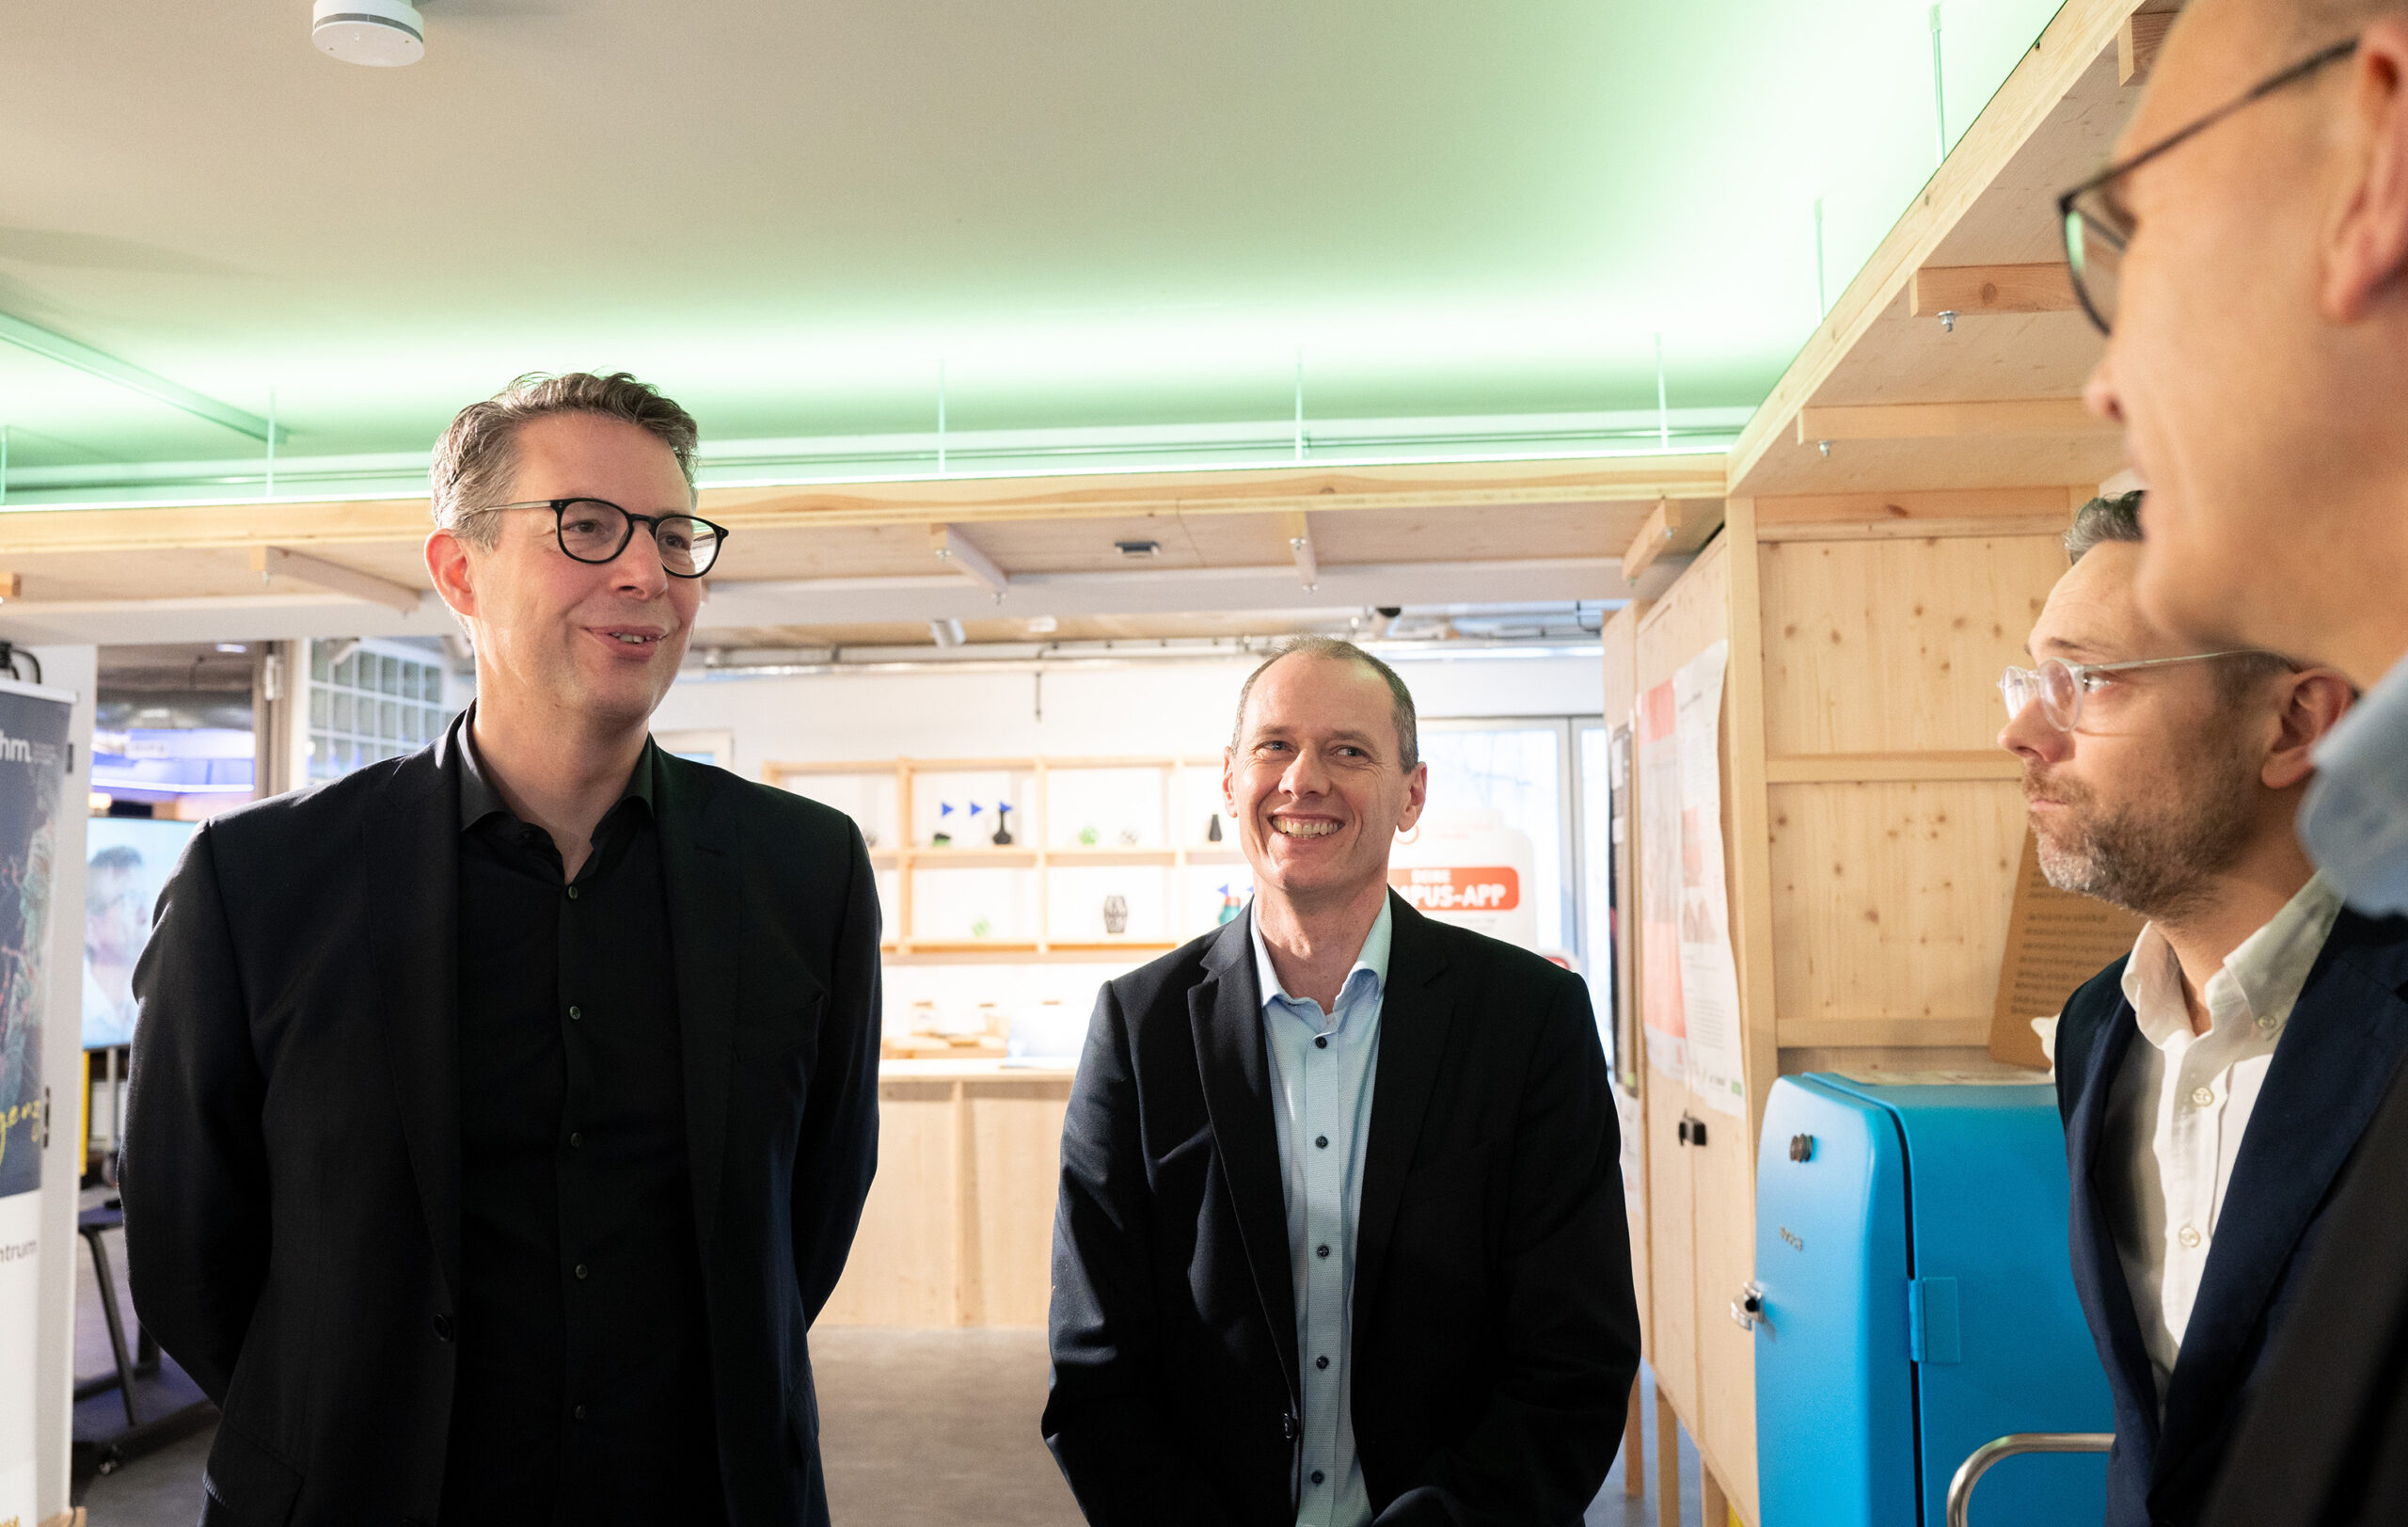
(1408, 735)
(477, 457)
(2102, 520)
(2118, 519)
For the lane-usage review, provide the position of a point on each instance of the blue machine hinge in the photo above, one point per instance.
(1931, 1320)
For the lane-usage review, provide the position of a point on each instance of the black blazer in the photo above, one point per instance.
(292, 1167)
(1494, 1333)
(2344, 1040)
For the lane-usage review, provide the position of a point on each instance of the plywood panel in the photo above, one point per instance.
(1693, 614)
(1890, 900)
(1015, 1164)
(1876, 646)
(1672, 1323)
(901, 1271)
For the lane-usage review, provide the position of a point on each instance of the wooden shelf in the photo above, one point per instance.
(957, 856)
(1115, 854)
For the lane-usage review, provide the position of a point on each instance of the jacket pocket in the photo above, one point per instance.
(761, 1035)
(247, 1484)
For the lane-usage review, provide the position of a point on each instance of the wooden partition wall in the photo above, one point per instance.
(1873, 831)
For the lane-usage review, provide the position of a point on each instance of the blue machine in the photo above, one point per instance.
(1916, 1302)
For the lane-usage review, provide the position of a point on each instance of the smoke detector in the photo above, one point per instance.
(382, 34)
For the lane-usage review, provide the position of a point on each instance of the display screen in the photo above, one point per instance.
(128, 862)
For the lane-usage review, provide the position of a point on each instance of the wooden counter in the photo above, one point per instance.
(958, 1229)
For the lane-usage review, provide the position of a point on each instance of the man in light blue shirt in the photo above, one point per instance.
(1321, 1065)
(1340, 1241)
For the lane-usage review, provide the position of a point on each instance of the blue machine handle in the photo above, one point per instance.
(1970, 1472)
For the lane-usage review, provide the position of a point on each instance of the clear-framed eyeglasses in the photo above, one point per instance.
(596, 531)
(2060, 686)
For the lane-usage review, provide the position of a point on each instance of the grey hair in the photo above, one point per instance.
(2102, 520)
(1408, 734)
(477, 457)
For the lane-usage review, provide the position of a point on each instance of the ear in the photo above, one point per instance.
(1229, 783)
(2366, 247)
(2314, 700)
(448, 565)
(1417, 792)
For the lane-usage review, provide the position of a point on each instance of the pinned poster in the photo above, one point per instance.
(1709, 974)
(1659, 766)
(33, 770)
(1463, 866)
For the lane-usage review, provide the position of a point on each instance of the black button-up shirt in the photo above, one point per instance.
(584, 1391)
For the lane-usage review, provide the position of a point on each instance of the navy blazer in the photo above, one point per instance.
(2345, 1038)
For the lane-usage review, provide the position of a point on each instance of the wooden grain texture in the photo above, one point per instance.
(1891, 901)
(2137, 44)
(1949, 421)
(1863, 768)
(1672, 1208)
(902, 1270)
(1897, 645)
(2041, 286)
(1667, 1461)
(1015, 1132)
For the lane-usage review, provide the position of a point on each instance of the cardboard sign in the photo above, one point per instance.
(2056, 941)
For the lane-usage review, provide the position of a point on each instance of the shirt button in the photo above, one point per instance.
(580, 1271)
(2265, 1025)
(1321, 1362)
(579, 1412)
(443, 1327)
(1320, 1250)
(1321, 1041)
(572, 893)
(2202, 1096)
(575, 1139)
(1322, 1140)
(1316, 1477)
(2188, 1236)
(575, 1013)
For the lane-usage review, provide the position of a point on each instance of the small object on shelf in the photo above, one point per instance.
(981, 929)
(1128, 837)
(1231, 907)
(1213, 828)
(1087, 837)
(1003, 838)
(869, 837)
(1116, 914)
(943, 840)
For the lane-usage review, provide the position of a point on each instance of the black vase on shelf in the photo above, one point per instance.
(1003, 838)
(1213, 828)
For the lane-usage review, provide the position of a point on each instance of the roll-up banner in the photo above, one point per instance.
(33, 776)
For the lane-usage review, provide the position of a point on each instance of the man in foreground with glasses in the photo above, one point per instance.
(502, 1115)
(2214, 1080)
(2253, 237)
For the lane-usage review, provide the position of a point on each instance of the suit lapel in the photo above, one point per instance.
(1415, 1012)
(2092, 1238)
(2329, 1074)
(693, 816)
(412, 839)
(1224, 1013)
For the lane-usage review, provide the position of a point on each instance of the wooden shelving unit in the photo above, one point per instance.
(889, 792)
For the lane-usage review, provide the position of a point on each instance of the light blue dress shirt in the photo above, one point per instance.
(1322, 1065)
(2354, 820)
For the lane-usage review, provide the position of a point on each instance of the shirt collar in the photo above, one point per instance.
(1372, 958)
(479, 799)
(2260, 979)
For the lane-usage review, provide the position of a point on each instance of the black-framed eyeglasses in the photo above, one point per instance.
(596, 531)
(2097, 228)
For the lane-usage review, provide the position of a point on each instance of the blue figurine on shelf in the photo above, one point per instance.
(943, 838)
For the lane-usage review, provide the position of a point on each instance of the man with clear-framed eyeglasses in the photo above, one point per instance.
(502, 1115)
(2248, 254)
(2212, 1082)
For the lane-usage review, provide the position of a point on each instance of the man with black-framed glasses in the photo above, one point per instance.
(2212, 1082)
(2256, 223)
(502, 1115)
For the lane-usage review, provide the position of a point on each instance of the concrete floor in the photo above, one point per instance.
(917, 1427)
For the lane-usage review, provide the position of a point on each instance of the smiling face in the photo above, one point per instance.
(2158, 787)
(1315, 782)
(2258, 380)
(600, 643)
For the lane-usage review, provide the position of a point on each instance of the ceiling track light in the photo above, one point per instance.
(381, 33)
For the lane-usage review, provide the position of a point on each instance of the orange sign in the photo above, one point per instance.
(1488, 888)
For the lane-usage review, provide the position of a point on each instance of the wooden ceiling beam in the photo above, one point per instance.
(2136, 44)
(2045, 287)
(1676, 528)
(273, 561)
(1300, 545)
(1933, 421)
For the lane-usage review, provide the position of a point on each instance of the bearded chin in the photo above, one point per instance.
(2159, 863)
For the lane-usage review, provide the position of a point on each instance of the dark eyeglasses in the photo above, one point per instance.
(596, 531)
(2097, 228)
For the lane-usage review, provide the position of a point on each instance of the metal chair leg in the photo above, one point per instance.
(117, 1325)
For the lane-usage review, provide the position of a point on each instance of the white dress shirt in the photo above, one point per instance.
(1322, 1068)
(2181, 1102)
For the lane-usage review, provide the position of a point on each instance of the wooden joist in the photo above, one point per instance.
(2043, 287)
(1932, 421)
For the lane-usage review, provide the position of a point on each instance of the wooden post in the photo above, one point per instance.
(1634, 1447)
(1667, 1462)
(1715, 1506)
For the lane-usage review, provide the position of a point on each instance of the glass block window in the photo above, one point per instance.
(372, 704)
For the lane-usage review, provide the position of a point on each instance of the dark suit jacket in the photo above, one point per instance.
(292, 1168)
(2324, 1436)
(2343, 1043)
(1495, 1334)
